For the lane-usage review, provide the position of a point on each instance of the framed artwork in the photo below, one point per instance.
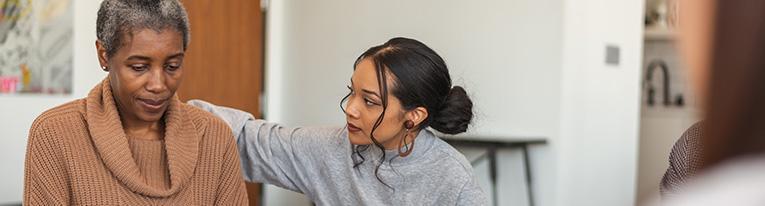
(36, 48)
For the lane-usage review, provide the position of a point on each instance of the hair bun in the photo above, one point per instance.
(455, 113)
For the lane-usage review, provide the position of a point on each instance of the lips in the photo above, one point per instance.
(152, 105)
(353, 128)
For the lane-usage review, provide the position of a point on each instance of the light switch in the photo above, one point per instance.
(612, 55)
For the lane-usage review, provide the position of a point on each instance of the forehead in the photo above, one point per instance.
(152, 41)
(365, 73)
(365, 77)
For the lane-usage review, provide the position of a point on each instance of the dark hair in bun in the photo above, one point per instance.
(421, 79)
(455, 114)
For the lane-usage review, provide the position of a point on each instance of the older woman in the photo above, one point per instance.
(131, 141)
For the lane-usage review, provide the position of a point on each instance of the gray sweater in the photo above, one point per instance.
(316, 161)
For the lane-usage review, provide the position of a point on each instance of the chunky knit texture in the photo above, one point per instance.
(151, 159)
(78, 154)
(685, 161)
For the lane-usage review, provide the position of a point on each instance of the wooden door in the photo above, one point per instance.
(224, 61)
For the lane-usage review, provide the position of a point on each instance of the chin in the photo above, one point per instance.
(359, 140)
(150, 117)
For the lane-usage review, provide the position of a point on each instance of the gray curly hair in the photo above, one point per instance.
(119, 17)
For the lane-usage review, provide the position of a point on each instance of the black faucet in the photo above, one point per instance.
(652, 91)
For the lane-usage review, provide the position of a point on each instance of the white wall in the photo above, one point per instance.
(597, 147)
(17, 112)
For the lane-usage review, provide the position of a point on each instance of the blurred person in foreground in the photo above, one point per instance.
(722, 44)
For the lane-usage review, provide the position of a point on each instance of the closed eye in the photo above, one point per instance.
(139, 67)
(369, 102)
(172, 67)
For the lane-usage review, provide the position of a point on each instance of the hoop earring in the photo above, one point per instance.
(104, 68)
(408, 149)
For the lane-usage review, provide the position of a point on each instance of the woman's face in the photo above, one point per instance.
(364, 106)
(695, 42)
(145, 72)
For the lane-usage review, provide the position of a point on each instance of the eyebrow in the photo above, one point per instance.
(370, 92)
(367, 91)
(176, 55)
(138, 57)
(145, 58)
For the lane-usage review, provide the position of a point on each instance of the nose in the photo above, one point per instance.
(350, 109)
(156, 83)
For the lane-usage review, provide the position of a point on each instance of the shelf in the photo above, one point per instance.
(659, 34)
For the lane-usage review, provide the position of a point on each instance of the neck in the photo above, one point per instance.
(135, 128)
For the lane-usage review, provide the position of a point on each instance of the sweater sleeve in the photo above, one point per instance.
(46, 180)
(271, 153)
(231, 188)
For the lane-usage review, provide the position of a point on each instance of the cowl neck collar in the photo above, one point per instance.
(108, 136)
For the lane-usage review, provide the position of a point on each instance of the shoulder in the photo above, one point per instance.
(74, 110)
(451, 162)
(208, 125)
(202, 119)
(454, 156)
(686, 153)
(448, 167)
(54, 122)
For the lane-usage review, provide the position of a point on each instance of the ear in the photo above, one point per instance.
(417, 115)
(101, 52)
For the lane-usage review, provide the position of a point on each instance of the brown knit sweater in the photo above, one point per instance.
(78, 154)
